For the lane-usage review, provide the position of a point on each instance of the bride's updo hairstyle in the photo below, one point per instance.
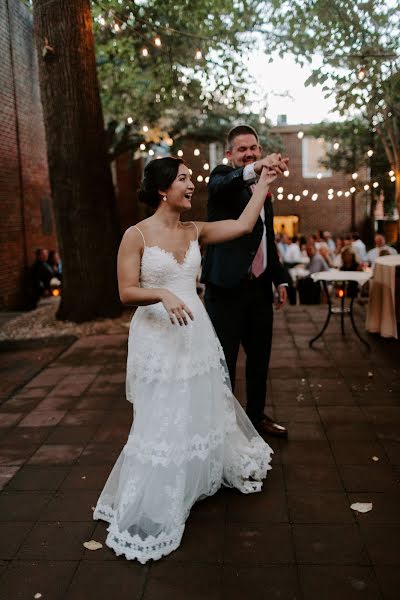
(159, 174)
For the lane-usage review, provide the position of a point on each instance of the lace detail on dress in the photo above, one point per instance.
(190, 435)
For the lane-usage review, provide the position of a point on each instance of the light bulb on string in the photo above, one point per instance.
(180, 153)
(319, 175)
(305, 192)
(366, 187)
(157, 41)
(280, 196)
(354, 175)
(391, 173)
(370, 153)
(145, 128)
(352, 190)
(300, 135)
(225, 161)
(190, 171)
(102, 21)
(347, 194)
(314, 197)
(262, 120)
(393, 179)
(142, 147)
(207, 179)
(145, 52)
(280, 190)
(286, 173)
(206, 166)
(290, 197)
(198, 55)
(129, 120)
(151, 152)
(340, 193)
(200, 178)
(297, 198)
(336, 146)
(196, 152)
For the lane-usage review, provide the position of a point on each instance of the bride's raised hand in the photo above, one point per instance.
(176, 308)
(267, 176)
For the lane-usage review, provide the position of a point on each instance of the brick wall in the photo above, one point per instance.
(332, 215)
(26, 213)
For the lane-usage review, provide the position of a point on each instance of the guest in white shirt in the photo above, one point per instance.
(293, 254)
(317, 263)
(359, 247)
(380, 244)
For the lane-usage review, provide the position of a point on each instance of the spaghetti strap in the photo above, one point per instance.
(197, 230)
(140, 231)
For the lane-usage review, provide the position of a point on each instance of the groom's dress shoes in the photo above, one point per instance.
(269, 427)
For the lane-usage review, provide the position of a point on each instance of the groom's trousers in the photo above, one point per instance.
(243, 315)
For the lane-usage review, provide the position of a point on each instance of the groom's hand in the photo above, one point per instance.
(282, 296)
(272, 161)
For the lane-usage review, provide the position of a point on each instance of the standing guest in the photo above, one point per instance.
(380, 244)
(239, 274)
(359, 247)
(317, 262)
(41, 275)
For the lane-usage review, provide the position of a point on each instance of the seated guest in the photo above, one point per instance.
(317, 262)
(329, 240)
(55, 264)
(283, 245)
(41, 275)
(380, 244)
(337, 255)
(359, 246)
(350, 263)
(293, 255)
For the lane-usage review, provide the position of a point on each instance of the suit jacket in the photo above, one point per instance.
(226, 264)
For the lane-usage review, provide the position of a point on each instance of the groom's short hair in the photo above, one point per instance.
(240, 130)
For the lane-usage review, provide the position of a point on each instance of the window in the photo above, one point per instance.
(216, 150)
(313, 151)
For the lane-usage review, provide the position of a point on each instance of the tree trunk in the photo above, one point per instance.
(80, 176)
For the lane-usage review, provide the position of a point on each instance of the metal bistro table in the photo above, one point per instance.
(343, 277)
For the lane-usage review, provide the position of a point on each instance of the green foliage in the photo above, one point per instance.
(170, 83)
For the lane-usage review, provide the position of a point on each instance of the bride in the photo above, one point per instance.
(189, 435)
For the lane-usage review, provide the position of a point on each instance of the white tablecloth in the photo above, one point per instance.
(360, 277)
(381, 313)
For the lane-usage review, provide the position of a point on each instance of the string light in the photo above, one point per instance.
(262, 120)
(305, 192)
(102, 21)
(352, 189)
(286, 173)
(375, 184)
(330, 191)
(180, 153)
(393, 179)
(151, 152)
(207, 179)
(314, 197)
(129, 120)
(200, 178)
(145, 52)
(370, 153)
(319, 176)
(196, 152)
(391, 173)
(366, 187)
(336, 146)
(142, 147)
(362, 73)
(280, 196)
(297, 198)
(206, 166)
(354, 176)
(347, 194)
(300, 135)
(198, 55)
(157, 41)
(225, 161)
(340, 193)
(190, 171)
(145, 128)
(290, 197)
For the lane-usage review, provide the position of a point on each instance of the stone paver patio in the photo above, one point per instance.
(62, 428)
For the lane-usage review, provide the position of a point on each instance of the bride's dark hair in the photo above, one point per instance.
(158, 175)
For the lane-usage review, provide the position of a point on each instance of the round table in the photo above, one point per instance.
(344, 277)
(381, 313)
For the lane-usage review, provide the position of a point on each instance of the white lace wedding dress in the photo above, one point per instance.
(189, 435)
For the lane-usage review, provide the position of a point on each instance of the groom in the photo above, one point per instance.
(239, 274)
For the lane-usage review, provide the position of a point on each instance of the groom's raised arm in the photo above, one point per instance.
(224, 180)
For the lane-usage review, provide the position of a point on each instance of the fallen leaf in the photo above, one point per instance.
(375, 458)
(38, 595)
(361, 507)
(84, 477)
(370, 374)
(93, 545)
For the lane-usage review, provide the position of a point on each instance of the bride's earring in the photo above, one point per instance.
(164, 198)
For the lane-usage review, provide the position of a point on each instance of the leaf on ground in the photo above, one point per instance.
(375, 458)
(93, 545)
(38, 595)
(361, 507)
